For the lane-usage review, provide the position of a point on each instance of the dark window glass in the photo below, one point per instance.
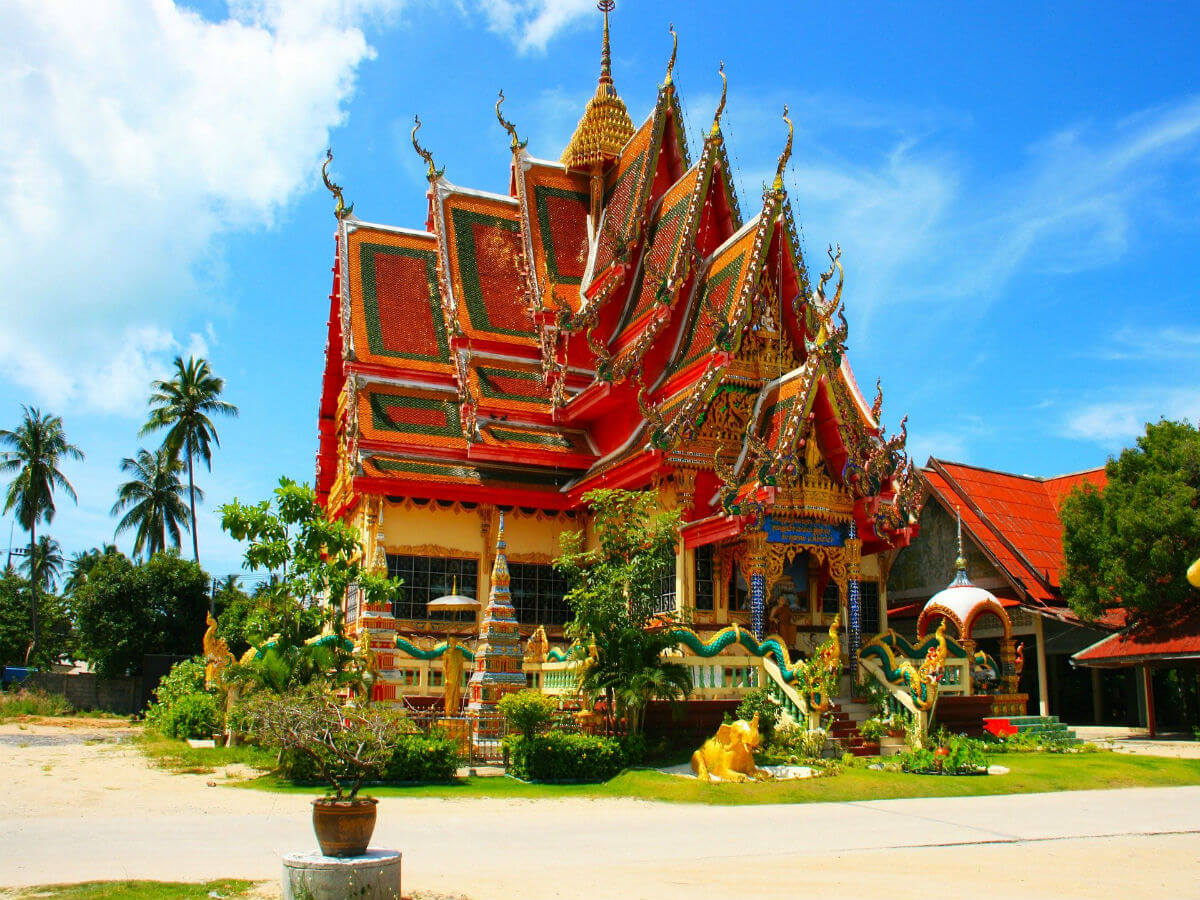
(666, 587)
(868, 603)
(428, 578)
(739, 593)
(831, 599)
(704, 577)
(537, 594)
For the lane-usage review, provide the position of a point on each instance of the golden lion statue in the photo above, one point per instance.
(730, 754)
(216, 654)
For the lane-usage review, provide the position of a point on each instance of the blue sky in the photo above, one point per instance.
(1016, 189)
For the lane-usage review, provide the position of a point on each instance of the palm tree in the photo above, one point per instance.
(183, 405)
(45, 564)
(35, 449)
(152, 501)
(81, 565)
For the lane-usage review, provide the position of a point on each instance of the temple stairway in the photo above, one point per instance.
(1047, 725)
(847, 716)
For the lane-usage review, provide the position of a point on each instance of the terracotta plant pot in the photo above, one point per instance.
(344, 827)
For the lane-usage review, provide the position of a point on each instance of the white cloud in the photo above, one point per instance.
(134, 135)
(530, 24)
(1114, 423)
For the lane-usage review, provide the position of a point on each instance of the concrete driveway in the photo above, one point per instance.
(73, 812)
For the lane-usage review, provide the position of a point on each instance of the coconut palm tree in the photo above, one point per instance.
(35, 448)
(152, 501)
(81, 564)
(45, 564)
(183, 405)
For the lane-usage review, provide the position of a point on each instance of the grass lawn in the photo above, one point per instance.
(132, 890)
(1030, 773)
(178, 756)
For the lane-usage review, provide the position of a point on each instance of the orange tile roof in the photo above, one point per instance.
(1014, 518)
(1173, 635)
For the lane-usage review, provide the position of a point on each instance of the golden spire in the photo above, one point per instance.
(674, 50)
(517, 143)
(784, 156)
(605, 126)
(716, 126)
(434, 173)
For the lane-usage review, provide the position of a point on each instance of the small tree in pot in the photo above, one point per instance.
(344, 745)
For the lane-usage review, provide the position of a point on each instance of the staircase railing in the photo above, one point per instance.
(789, 699)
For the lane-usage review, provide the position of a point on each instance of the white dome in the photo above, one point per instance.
(962, 604)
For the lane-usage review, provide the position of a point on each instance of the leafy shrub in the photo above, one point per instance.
(527, 711)
(633, 747)
(414, 758)
(1032, 742)
(345, 745)
(957, 755)
(183, 708)
(759, 701)
(872, 729)
(796, 743)
(190, 716)
(33, 702)
(565, 757)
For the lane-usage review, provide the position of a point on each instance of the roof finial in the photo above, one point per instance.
(785, 155)
(606, 6)
(674, 50)
(960, 562)
(517, 143)
(716, 126)
(341, 210)
(433, 172)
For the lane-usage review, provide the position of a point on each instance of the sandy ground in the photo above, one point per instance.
(75, 810)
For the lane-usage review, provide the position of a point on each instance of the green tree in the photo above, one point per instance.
(45, 565)
(1130, 544)
(82, 562)
(124, 611)
(184, 405)
(36, 448)
(614, 590)
(152, 501)
(16, 626)
(312, 562)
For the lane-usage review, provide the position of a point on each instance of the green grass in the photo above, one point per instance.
(177, 756)
(1030, 773)
(32, 703)
(132, 890)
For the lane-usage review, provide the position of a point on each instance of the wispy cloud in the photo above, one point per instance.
(1113, 423)
(530, 24)
(135, 135)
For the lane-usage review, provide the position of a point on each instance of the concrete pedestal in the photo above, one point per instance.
(311, 876)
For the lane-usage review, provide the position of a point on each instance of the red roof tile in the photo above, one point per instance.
(1174, 635)
(1014, 517)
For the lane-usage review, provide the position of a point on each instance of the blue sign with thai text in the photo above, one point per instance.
(804, 531)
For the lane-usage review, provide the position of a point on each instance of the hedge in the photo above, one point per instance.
(415, 758)
(565, 757)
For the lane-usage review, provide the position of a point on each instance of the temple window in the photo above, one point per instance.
(427, 578)
(738, 591)
(537, 594)
(666, 587)
(705, 588)
(831, 599)
(868, 603)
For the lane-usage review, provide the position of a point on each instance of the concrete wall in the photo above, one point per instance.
(86, 691)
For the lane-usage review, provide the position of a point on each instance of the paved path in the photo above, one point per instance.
(73, 813)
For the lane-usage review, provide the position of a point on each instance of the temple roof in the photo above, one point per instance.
(597, 327)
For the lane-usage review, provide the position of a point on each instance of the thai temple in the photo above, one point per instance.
(618, 318)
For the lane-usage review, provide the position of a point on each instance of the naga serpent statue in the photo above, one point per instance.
(922, 683)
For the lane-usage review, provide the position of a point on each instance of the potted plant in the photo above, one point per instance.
(343, 745)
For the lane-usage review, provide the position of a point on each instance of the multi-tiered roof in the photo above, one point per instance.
(611, 320)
